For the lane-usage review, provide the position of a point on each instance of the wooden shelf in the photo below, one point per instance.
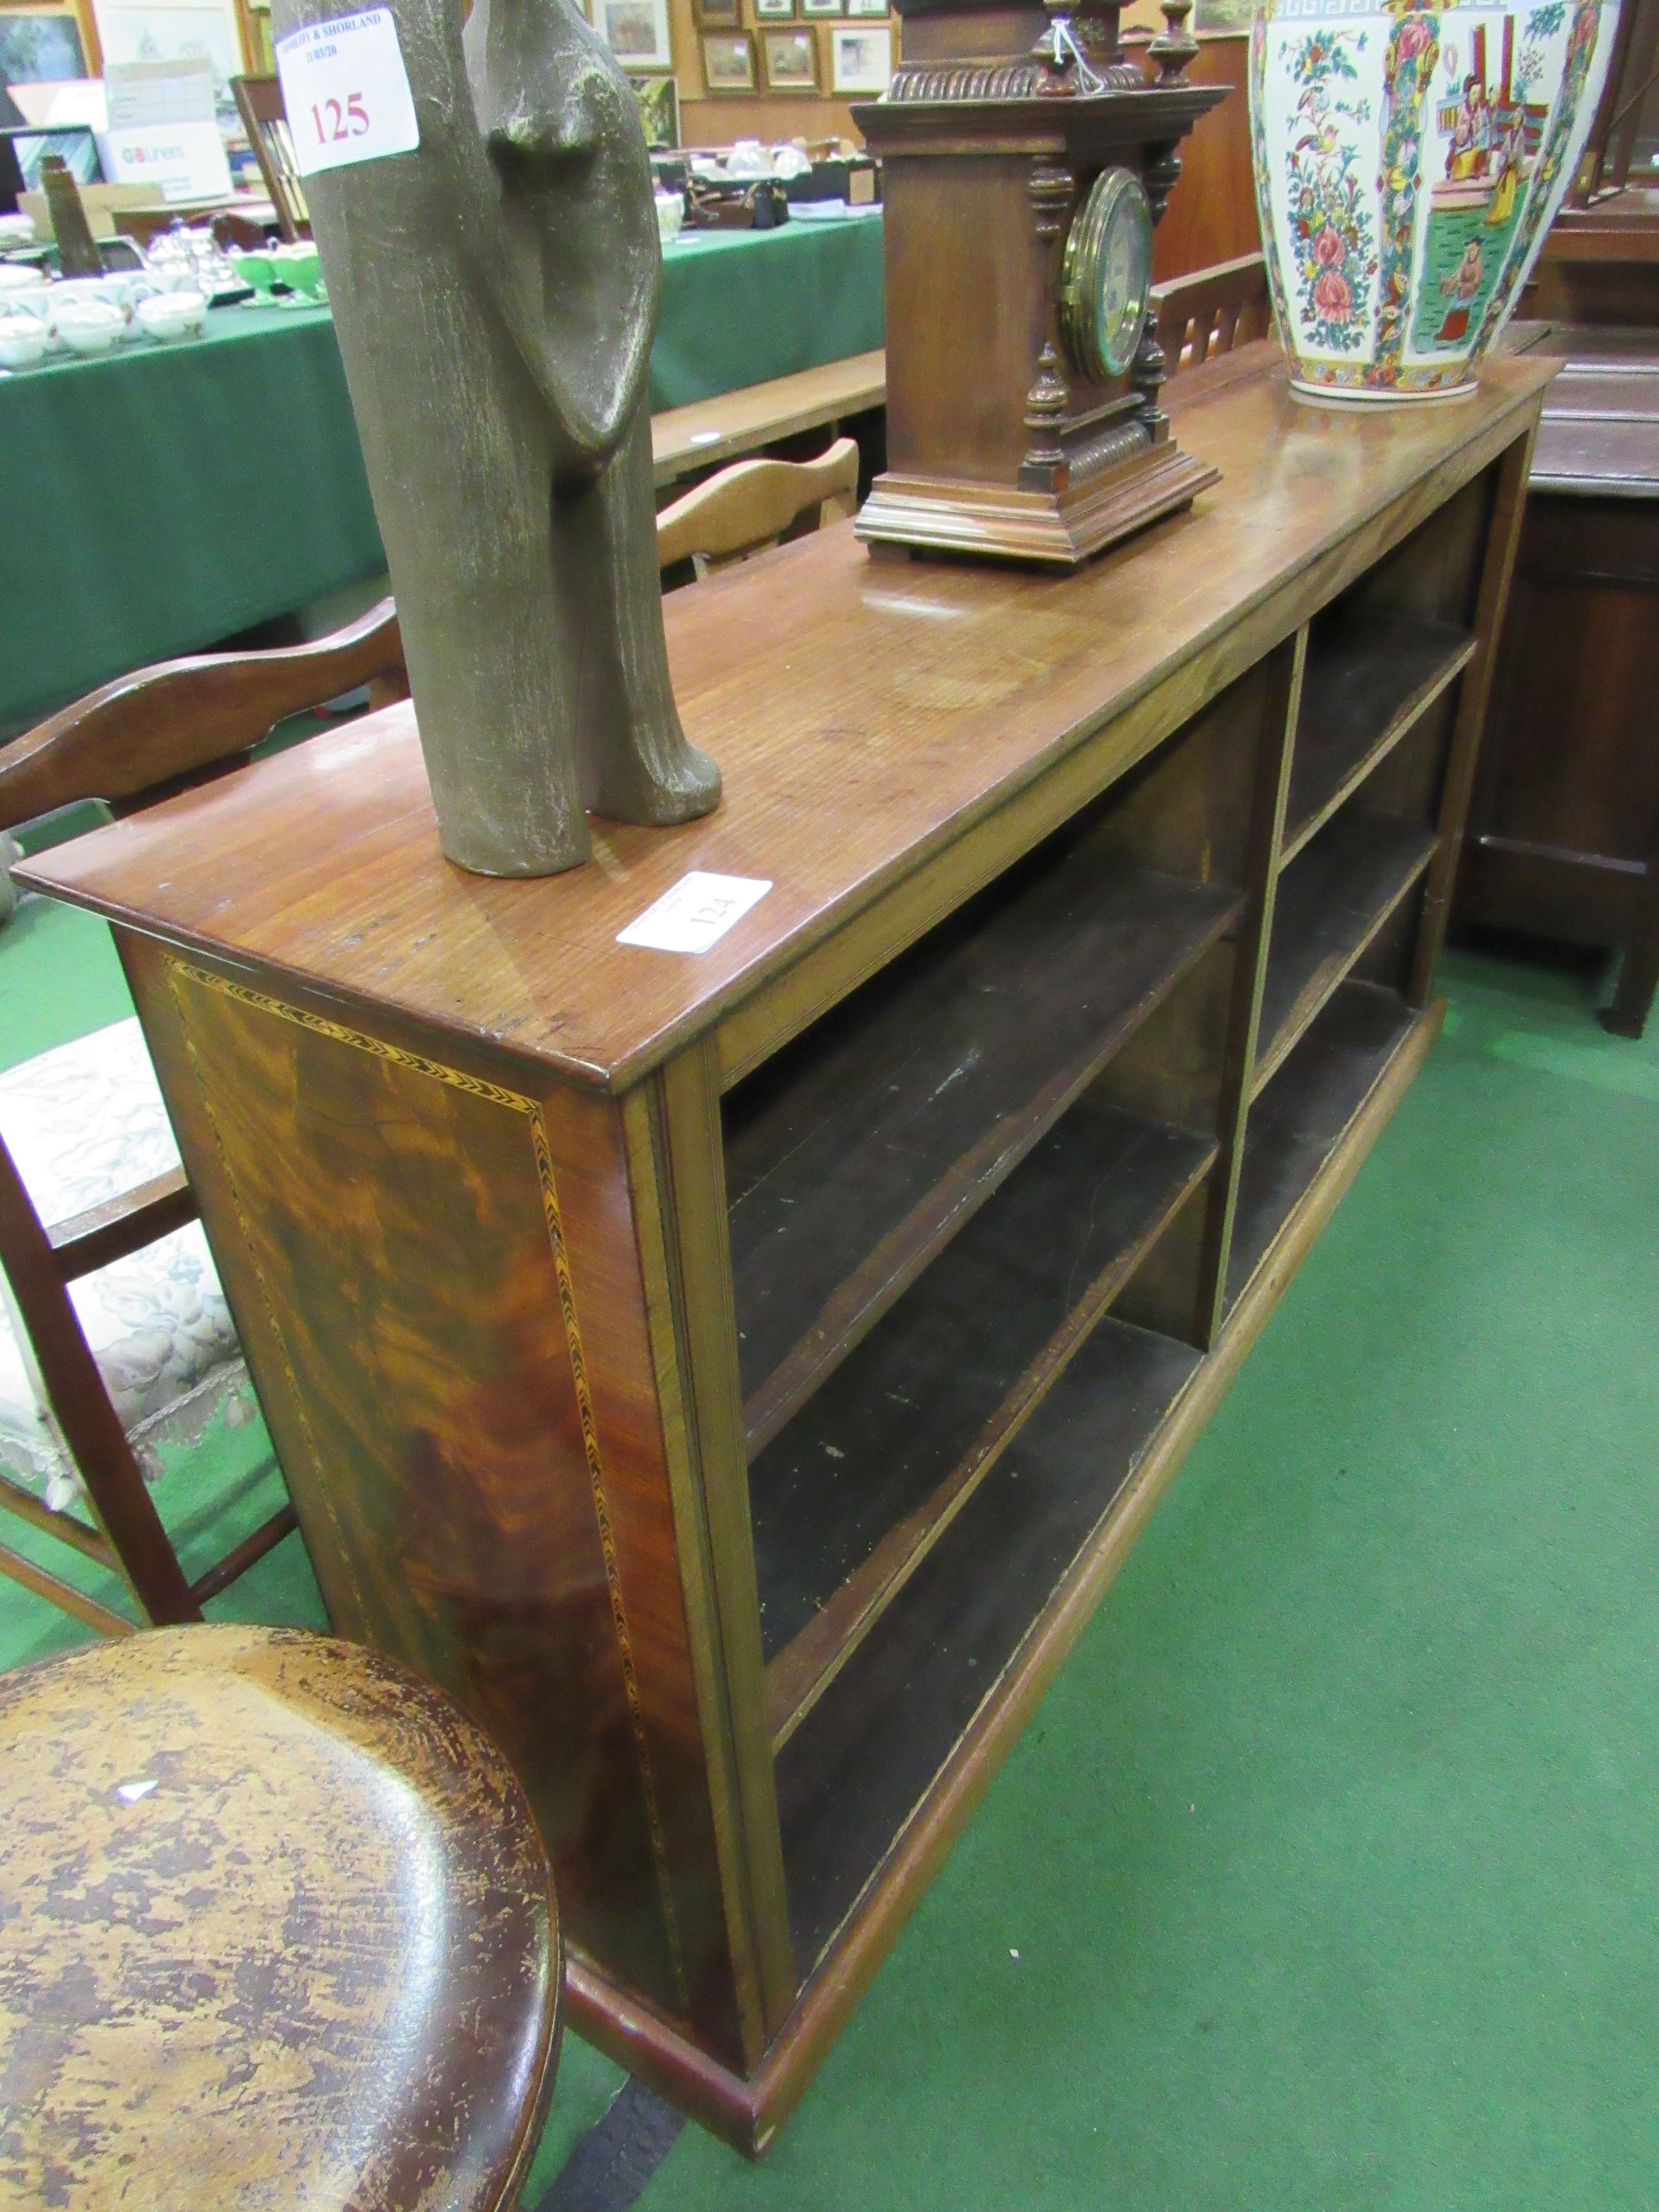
(1300, 1119)
(855, 1155)
(1367, 683)
(850, 1778)
(1332, 902)
(864, 1482)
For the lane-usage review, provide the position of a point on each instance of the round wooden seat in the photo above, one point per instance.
(277, 1928)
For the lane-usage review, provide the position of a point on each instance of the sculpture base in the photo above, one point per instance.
(946, 514)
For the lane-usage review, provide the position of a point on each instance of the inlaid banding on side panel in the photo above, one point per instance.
(399, 1364)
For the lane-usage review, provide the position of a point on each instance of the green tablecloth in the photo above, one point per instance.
(741, 306)
(159, 499)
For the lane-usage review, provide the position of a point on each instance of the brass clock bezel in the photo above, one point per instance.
(1113, 192)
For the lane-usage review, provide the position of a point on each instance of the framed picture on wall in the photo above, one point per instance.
(636, 31)
(659, 110)
(792, 60)
(178, 31)
(718, 15)
(867, 7)
(774, 11)
(822, 7)
(728, 62)
(44, 43)
(861, 60)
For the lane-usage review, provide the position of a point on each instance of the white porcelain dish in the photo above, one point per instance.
(74, 291)
(171, 315)
(23, 339)
(88, 327)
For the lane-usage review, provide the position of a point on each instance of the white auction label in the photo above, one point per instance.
(346, 92)
(696, 914)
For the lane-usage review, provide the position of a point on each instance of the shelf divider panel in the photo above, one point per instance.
(858, 1153)
(1367, 682)
(848, 1500)
(1332, 902)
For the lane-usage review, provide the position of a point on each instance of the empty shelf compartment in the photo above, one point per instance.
(856, 1154)
(1369, 677)
(1298, 1120)
(848, 1780)
(1333, 900)
(847, 1499)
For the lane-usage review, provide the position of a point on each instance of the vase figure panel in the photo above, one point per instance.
(1410, 156)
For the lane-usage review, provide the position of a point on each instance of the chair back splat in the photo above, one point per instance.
(1211, 311)
(72, 1464)
(754, 504)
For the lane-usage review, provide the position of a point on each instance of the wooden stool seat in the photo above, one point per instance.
(277, 1930)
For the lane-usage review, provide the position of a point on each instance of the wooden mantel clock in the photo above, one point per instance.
(1025, 161)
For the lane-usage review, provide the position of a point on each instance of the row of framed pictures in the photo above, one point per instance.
(637, 32)
(860, 61)
(726, 15)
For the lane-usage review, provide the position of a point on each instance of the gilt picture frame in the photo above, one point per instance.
(791, 59)
(636, 31)
(861, 60)
(44, 43)
(728, 65)
(659, 98)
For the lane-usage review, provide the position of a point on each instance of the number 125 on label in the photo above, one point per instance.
(346, 92)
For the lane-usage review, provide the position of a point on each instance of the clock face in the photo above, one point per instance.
(1106, 276)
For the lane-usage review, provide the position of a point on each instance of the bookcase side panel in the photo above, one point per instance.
(1497, 566)
(431, 1269)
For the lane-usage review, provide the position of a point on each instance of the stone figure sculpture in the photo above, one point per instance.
(496, 294)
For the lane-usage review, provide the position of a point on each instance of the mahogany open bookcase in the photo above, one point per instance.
(737, 1377)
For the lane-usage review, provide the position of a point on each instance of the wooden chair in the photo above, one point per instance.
(259, 104)
(754, 504)
(129, 741)
(1211, 311)
(319, 1965)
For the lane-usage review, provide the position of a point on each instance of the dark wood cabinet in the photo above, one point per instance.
(737, 1377)
(1564, 830)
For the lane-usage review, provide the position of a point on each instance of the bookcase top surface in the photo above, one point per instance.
(865, 713)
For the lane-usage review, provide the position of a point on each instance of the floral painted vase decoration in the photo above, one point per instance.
(1410, 156)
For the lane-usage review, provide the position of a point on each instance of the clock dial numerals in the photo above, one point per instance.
(1106, 276)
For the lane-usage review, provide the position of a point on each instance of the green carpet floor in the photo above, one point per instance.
(1325, 1875)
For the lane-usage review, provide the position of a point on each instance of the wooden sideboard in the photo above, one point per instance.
(737, 1377)
(1564, 826)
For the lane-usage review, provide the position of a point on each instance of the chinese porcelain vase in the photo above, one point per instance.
(1410, 156)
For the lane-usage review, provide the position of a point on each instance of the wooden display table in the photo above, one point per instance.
(737, 1377)
(745, 421)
